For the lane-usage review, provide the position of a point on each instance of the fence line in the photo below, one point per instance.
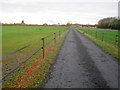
(19, 50)
(19, 65)
(101, 36)
(43, 46)
(24, 47)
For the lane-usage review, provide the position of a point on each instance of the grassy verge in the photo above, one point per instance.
(111, 49)
(53, 54)
(34, 73)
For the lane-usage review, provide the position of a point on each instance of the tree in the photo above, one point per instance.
(69, 23)
(111, 23)
(45, 24)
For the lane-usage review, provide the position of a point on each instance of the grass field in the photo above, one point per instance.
(16, 37)
(105, 38)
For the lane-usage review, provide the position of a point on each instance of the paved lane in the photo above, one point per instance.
(81, 64)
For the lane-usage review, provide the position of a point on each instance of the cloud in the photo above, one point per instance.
(54, 11)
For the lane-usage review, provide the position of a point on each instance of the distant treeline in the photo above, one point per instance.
(27, 25)
(82, 25)
(109, 23)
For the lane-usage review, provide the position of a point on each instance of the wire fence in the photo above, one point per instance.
(110, 38)
(16, 61)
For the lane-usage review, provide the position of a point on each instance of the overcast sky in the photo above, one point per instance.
(57, 11)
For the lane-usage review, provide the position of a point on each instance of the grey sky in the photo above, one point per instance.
(54, 11)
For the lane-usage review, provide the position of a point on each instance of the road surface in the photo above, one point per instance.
(82, 64)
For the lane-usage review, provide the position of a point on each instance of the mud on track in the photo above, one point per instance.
(82, 64)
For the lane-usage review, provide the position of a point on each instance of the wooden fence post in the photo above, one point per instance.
(55, 37)
(116, 39)
(59, 34)
(96, 34)
(102, 36)
(43, 47)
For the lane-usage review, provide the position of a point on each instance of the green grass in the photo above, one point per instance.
(109, 35)
(38, 69)
(105, 38)
(15, 37)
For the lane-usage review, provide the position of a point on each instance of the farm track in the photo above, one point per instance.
(82, 64)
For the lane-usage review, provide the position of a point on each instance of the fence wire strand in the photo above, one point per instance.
(27, 58)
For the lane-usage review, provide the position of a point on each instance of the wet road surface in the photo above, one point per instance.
(82, 64)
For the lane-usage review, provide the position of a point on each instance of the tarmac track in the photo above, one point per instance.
(82, 64)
